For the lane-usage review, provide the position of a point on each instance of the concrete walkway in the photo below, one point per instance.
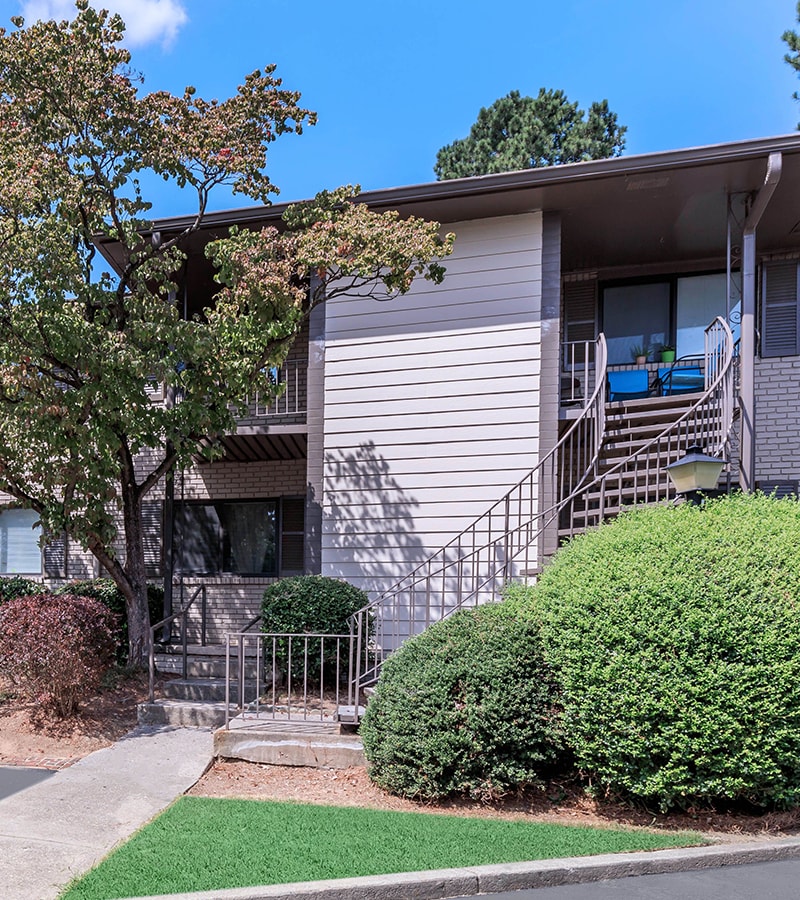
(59, 828)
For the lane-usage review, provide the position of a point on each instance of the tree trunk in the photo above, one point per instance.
(135, 590)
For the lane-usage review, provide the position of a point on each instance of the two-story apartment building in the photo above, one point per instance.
(404, 423)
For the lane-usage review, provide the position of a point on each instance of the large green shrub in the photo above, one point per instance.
(675, 633)
(14, 586)
(55, 649)
(465, 707)
(105, 591)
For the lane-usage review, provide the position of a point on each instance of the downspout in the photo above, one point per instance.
(747, 349)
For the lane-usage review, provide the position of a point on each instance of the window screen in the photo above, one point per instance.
(19, 542)
(635, 315)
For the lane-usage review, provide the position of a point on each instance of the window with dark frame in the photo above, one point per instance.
(669, 309)
(240, 537)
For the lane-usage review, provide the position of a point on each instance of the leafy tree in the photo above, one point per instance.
(79, 346)
(518, 132)
(792, 40)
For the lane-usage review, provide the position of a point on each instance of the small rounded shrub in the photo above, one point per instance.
(308, 604)
(105, 591)
(675, 634)
(15, 586)
(466, 707)
(55, 649)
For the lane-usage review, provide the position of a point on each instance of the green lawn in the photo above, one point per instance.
(202, 844)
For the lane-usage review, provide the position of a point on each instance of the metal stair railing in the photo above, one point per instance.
(508, 540)
(641, 477)
(456, 576)
(181, 614)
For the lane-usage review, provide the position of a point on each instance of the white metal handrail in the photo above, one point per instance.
(641, 477)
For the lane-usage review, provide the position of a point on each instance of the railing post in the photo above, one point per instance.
(203, 615)
(240, 662)
(184, 641)
(151, 665)
(227, 681)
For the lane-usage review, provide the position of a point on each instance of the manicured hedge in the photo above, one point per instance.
(309, 604)
(675, 634)
(467, 707)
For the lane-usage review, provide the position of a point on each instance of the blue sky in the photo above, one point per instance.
(393, 81)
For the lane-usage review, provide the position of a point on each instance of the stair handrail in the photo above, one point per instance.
(583, 437)
(714, 419)
(180, 614)
(719, 362)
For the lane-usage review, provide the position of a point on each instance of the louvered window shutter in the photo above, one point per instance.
(292, 534)
(580, 316)
(152, 520)
(55, 557)
(780, 316)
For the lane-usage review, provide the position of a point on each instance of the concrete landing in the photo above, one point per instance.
(320, 745)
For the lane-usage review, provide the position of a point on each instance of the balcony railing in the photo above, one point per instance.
(290, 378)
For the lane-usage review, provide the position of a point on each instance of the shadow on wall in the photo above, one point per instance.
(368, 525)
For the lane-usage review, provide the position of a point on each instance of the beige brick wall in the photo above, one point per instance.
(777, 386)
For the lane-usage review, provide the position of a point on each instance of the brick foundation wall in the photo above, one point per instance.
(777, 388)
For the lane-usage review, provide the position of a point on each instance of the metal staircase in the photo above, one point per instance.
(611, 456)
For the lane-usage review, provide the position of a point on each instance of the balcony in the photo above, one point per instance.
(288, 407)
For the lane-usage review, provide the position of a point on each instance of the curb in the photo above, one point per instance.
(468, 882)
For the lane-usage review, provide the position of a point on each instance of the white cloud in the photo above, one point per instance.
(145, 20)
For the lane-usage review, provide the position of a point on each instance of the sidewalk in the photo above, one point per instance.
(59, 828)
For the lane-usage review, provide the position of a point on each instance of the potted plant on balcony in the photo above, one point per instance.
(667, 353)
(639, 354)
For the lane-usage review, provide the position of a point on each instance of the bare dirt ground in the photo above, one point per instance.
(28, 738)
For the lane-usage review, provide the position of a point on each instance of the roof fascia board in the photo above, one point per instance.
(525, 178)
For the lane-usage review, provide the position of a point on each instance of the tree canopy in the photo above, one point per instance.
(792, 40)
(518, 132)
(80, 347)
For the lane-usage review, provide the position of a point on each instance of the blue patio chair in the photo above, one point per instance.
(628, 384)
(680, 380)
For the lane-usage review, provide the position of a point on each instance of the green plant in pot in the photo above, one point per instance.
(639, 354)
(667, 353)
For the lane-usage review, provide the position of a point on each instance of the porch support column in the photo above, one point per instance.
(549, 384)
(315, 419)
(747, 348)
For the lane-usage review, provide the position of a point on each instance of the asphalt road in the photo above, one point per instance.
(758, 881)
(17, 778)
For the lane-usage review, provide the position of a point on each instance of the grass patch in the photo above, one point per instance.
(208, 844)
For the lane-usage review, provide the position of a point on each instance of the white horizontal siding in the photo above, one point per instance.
(431, 403)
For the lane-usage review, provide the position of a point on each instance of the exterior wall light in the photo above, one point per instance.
(696, 475)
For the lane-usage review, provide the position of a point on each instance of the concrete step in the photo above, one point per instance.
(199, 665)
(181, 712)
(206, 690)
(318, 745)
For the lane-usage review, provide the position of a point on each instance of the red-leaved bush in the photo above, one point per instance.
(55, 649)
